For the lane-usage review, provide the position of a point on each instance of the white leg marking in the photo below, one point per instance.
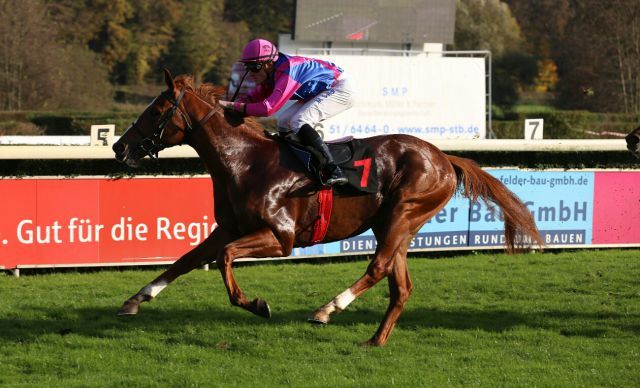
(154, 289)
(339, 303)
(343, 300)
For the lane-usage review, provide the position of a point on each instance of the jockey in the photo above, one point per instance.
(320, 88)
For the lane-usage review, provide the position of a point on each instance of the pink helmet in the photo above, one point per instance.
(259, 50)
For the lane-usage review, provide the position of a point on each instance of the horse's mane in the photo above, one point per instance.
(209, 92)
(212, 94)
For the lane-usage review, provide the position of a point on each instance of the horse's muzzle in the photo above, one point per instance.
(124, 154)
(119, 149)
(633, 144)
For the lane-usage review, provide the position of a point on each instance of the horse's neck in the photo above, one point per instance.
(225, 149)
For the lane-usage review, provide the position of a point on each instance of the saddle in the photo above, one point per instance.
(354, 156)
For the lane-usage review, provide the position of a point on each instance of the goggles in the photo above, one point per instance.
(254, 67)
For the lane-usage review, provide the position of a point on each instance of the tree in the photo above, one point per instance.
(599, 63)
(595, 45)
(153, 26)
(543, 23)
(512, 70)
(624, 40)
(489, 25)
(114, 40)
(198, 39)
(38, 72)
(265, 19)
(486, 25)
(234, 36)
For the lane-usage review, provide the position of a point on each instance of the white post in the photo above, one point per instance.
(102, 135)
(533, 129)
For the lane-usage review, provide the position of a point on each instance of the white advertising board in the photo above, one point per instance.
(428, 97)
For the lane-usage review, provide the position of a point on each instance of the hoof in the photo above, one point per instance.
(371, 343)
(317, 321)
(319, 318)
(261, 308)
(129, 307)
(368, 344)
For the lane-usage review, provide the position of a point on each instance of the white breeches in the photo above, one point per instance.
(323, 106)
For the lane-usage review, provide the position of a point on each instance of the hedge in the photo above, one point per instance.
(193, 166)
(568, 124)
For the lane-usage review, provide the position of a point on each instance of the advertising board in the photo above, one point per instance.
(427, 97)
(50, 222)
(100, 221)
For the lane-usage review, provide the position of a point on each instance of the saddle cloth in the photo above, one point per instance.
(354, 156)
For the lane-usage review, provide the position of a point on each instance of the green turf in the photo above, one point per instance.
(553, 319)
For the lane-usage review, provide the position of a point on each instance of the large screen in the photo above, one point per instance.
(376, 21)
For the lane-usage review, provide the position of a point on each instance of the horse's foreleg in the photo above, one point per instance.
(262, 243)
(204, 253)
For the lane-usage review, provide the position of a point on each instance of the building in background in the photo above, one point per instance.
(369, 25)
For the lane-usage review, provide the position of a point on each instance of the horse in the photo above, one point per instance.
(265, 200)
(633, 142)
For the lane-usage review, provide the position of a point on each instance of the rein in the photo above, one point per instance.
(235, 95)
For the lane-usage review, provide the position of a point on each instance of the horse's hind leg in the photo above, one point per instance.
(400, 288)
(391, 238)
(209, 250)
(383, 264)
(377, 270)
(394, 233)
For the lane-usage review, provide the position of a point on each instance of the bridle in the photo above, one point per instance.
(153, 144)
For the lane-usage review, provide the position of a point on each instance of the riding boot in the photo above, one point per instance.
(311, 138)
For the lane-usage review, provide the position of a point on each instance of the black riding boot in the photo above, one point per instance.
(311, 138)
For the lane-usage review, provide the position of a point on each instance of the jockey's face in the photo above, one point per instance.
(261, 75)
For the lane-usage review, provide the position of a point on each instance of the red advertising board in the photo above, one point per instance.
(47, 222)
(616, 207)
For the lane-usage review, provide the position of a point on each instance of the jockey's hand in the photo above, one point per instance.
(237, 108)
(226, 104)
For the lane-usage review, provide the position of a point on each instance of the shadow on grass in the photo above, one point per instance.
(102, 322)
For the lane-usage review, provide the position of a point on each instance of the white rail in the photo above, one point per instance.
(99, 152)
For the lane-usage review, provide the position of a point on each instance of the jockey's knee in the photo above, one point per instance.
(297, 121)
(284, 125)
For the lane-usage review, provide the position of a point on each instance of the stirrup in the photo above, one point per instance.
(337, 181)
(337, 177)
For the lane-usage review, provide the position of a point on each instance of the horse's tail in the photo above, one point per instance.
(520, 229)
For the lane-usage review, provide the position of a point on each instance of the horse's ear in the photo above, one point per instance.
(168, 79)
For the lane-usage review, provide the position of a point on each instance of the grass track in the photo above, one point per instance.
(553, 319)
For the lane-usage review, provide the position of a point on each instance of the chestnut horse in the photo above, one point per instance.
(633, 142)
(265, 201)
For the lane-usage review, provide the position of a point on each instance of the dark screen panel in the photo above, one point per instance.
(377, 21)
